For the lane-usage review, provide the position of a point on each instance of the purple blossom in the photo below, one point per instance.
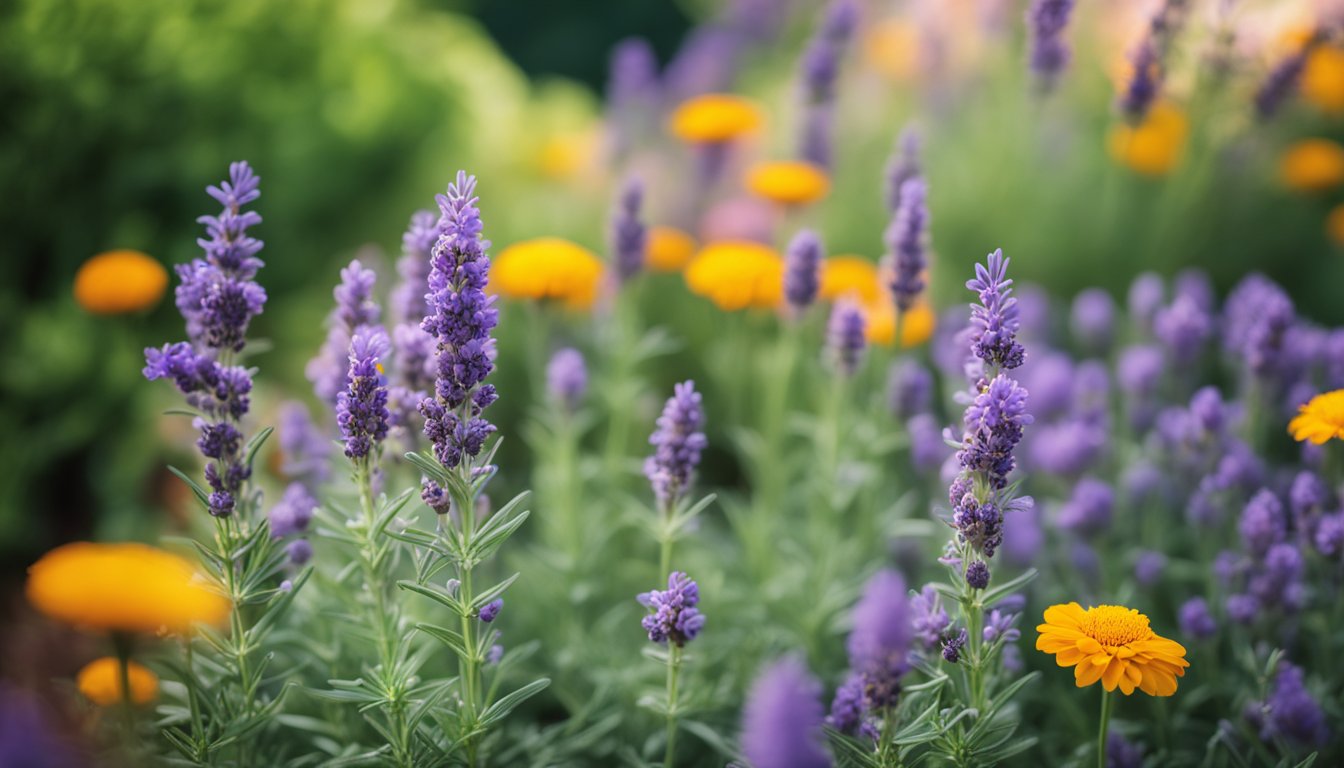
(883, 627)
(414, 352)
(305, 451)
(995, 320)
(490, 611)
(1329, 537)
(361, 410)
(1122, 753)
(567, 377)
(1263, 523)
(354, 308)
(1049, 377)
(1290, 710)
(1141, 482)
(1046, 21)
(293, 512)
(633, 89)
(993, 422)
(782, 719)
(1195, 619)
(1092, 319)
(1148, 567)
(1183, 327)
(802, 269)
(460, 320)
(1145, 297)
(407, 304)
(977, 575)
(675, 618)
(1089, 508)
(953, 645)
(845, 339)
(928, 618)
(1001, 624)
(1242, 609)
(1066, 448)
(1144, 83)
(928, 449)
(902, 166)
(628, 235)
(820, 71)
(677, 442)
(848, 712)
(300, 551)
(909, 388)
(906, 242)
(1281, 82)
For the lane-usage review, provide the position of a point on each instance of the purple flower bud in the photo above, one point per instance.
(677, 442)
(361, 410)
(1242, 608)
(927, 447)
(293, 512)
(1092, 319)
(902, 166)
(567, 377)
(300, 551)
(1263, 523)
(906, 240)
(1046, 21)
(909, 388)
(977, 575)
(1089, 508)
(845, 337)
(675, 619)
(952, 646)
(802, 269)
(995, 320)
(929, 620)
(1146, 294)
(629, 236)
(490, 611)
(1195, 619)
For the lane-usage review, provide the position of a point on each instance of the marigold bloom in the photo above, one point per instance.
(122, 587)
(547, 268)
(715, 118)
(668, 249)
(1320, 420)
(1323, 79)
(117, 282)
(565, 156)
(100, 682)
(850, 276)
(1154, 146)
(1112, 644)
(917, 325)
(737, 274)
(788, 182)
(1312, 165)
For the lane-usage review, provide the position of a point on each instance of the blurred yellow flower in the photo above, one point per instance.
(1112, 644)
(1334, 224)
(1312, 165)
(714, 118)
(916, 326)
(736, 274)
(1320, 420)
(1154, 146)
(100, 682)
(845, 275)
(117, 282)
(122, 587)
(1323, 79)
(564, 156)
(788, 182)
(891, 48)
(547, 268)
(669, 249)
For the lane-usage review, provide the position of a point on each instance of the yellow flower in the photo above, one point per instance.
(715, 118)
(1323, 79)
(1112, 644)
(100, 682)
(669, 249)
(118, 282)
(564, 156)
(916, 326)
(122, 587)
(788, 182)
(1320, 420)
(850, 275)
(736, 274)
(1334, 224)
(1154, 146)
(1312, 165)
(547, 268)
(891, 47)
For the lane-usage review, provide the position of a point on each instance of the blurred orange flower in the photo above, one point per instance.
(844, 275)
(737, 274)
(1323, 79)
(100, 682)
(714, 118)
(547, 268)
(1312, 165)
(1154, 146)
(788, 182)
(122, 587)
(1320, 420)
(917, 325)
(669, 249)
(118, 282)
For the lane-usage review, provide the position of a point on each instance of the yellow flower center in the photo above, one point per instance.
(1115, 625)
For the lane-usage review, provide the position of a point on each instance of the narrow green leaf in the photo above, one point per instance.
(437, 595)
(492, 593)
(254, 445)
(1003, 590)
(500, 709)
(200, 493)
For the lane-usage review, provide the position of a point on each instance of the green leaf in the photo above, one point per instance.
(500, 709)
(492, 593)
(448, 637)
(429, 466)
(201, 495)
(710, 737)
(484, 547)
(1003, 590)
(437, 595)
(390, 511)
(1001, 698)
(254, 445)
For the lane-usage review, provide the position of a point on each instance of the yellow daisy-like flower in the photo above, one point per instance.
(1323, 79)
(1320, 420)
(788, 182)
(916, 326)
(1112, 644)
(715, 118)
(122, 587)
(668, 249)
(1312, 165)
(1154, 146)
(547, 268)
(850, 275)
(564, 156)
(117, 282)
(100, 682)
(737, 274)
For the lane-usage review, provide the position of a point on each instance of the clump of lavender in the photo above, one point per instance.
(354, 308)
(820, 70)
(1046, 22)
(802, 270)
(361, 409)
(674, 618)
(902, 166)
(677, 442)
(218, 296)
(782, 719)
(628, 233)
(1289, 711)
(1092, 319)
(567, 377)
(845, 337)
(879, 647)
(906, 240)
(1148, 58)
(290, 517)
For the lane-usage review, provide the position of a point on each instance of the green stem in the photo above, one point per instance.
(974, 625)
(673, 672)
(1101, 732)
(468, 663)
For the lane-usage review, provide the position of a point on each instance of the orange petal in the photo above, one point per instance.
(1087, 674)
(1069, 615)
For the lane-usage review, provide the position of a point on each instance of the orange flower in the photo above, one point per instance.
(736, 274)
(715, 118)
(916, 325)
(1323, 79)
(547, 268)
(1312, 165)
(1112, 644)
(845, 275)
(100, 682)
(565, 156)
(1320, 420)
(669, 249)
(118, 282)
(122, 587)
(1154, 146)
(788, 182)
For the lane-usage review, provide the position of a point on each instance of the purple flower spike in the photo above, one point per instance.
(994, 422)
(1195, 619)
(1092, 319)
(906, 241)
(293, 512)
(880, 641)
(782, 719)
(909, 388)
(677, 442)
(994, 322)
(1046, 22)
(930, 620)
(628, 233)
(845, 337)
(354, 308)
(567, 377)
(820, 71)
(802, 270)
(903, 166)
(675, 619)
(407, 302)
(1281, 82)
(361, 410)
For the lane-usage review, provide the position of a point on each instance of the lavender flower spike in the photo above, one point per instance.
(1281, 82)
(1046, 21)
(628, 233)
(675, 619)
(461, 318)
(802, 270)
(567, 377)
(906, 241)
(845, 338)
(994, 323)
(361, 410)
(407, 302)
(880, 641)
(781, 723)
(355, 307)
(903, 166)
(820, 70)
(677, 443)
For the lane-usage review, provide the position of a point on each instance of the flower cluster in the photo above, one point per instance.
(820, 70)
(995, 321)
(629, 236)
(361, 409)
(906, 243)
(802, 269)
(355, 308)
(675, 619)
(1046, 21)
(879, 647)
(567, 377)
(677, 443)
